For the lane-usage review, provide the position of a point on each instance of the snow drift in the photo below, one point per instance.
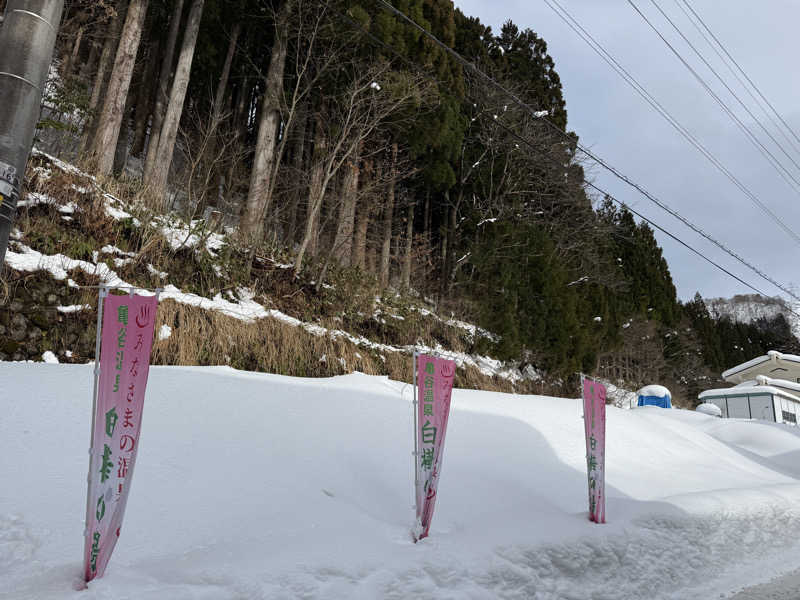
(261, 486)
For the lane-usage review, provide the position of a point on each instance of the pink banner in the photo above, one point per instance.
(434, 389)
(594, 421)
(127, 338)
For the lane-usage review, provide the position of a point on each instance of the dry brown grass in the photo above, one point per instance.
(205, 337)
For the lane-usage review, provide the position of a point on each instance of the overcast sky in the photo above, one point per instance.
(615, 123)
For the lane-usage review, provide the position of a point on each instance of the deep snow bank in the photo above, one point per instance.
(260, 486)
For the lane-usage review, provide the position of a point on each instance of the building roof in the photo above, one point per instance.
(773, 364)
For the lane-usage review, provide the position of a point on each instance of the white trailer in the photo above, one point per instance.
(764, 398)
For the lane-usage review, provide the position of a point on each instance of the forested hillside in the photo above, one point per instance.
(333, 136)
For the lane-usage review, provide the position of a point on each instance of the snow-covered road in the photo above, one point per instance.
(786, 587)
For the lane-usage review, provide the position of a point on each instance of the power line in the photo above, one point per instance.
(587, 152)
(598, 48)
(737, 76)
(750, 81)
(776, 164)
(724, 83)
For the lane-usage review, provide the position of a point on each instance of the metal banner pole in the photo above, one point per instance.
(585, 441)
(101, 295)
(414, 404)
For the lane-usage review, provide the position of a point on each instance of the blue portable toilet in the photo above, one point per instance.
(654, 395)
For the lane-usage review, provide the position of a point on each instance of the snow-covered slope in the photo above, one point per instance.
(260, 486)
(746, 308)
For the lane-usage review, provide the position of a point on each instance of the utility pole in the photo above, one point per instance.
(27, 39)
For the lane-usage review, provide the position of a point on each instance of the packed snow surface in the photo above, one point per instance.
(263, 486)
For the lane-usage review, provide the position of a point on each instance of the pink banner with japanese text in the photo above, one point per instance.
(434, 389)
(594, 421)
(127, 339)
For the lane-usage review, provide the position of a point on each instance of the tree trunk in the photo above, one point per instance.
(222, 84)
(297, 164)
(316, 193)
(215, 194)
(108, 126)
(163, 88)
(72, 58)
(426, 225)
(406, 278)
(260, 192)
(157, 179)
(88, 67)
(363, 211)
(144, 100)
(121, 152)
(449, 264)
(343, 243)
(104, 66)
(388, 216)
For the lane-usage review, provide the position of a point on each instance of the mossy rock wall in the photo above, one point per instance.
(31, 324)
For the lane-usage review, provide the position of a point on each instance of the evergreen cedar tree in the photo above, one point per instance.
(503, 229)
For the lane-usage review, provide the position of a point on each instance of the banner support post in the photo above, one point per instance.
(101, 294)
(414, 404)
(586, 434)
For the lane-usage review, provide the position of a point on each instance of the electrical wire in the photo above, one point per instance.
(727, 62)
(598, 48)
(724, 83)
(750, 81)
(785, 174)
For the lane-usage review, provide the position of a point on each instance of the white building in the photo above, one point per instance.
(767, 388)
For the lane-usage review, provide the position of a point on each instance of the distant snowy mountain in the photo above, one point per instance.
(747, 308)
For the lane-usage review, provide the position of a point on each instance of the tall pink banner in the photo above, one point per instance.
(434, 389)
(127, 338)
(594, 420)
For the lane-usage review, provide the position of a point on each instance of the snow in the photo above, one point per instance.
(164, 332)
(654, 390)
(35, 199)
(748, 308)
(764, 380)
(181, 235)
(49, 357)
(577, 281)
(620, 397)
(73, 308)
(114, 250)
(709, 409)
(471, 329)
(153, 271)
(262, 486)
